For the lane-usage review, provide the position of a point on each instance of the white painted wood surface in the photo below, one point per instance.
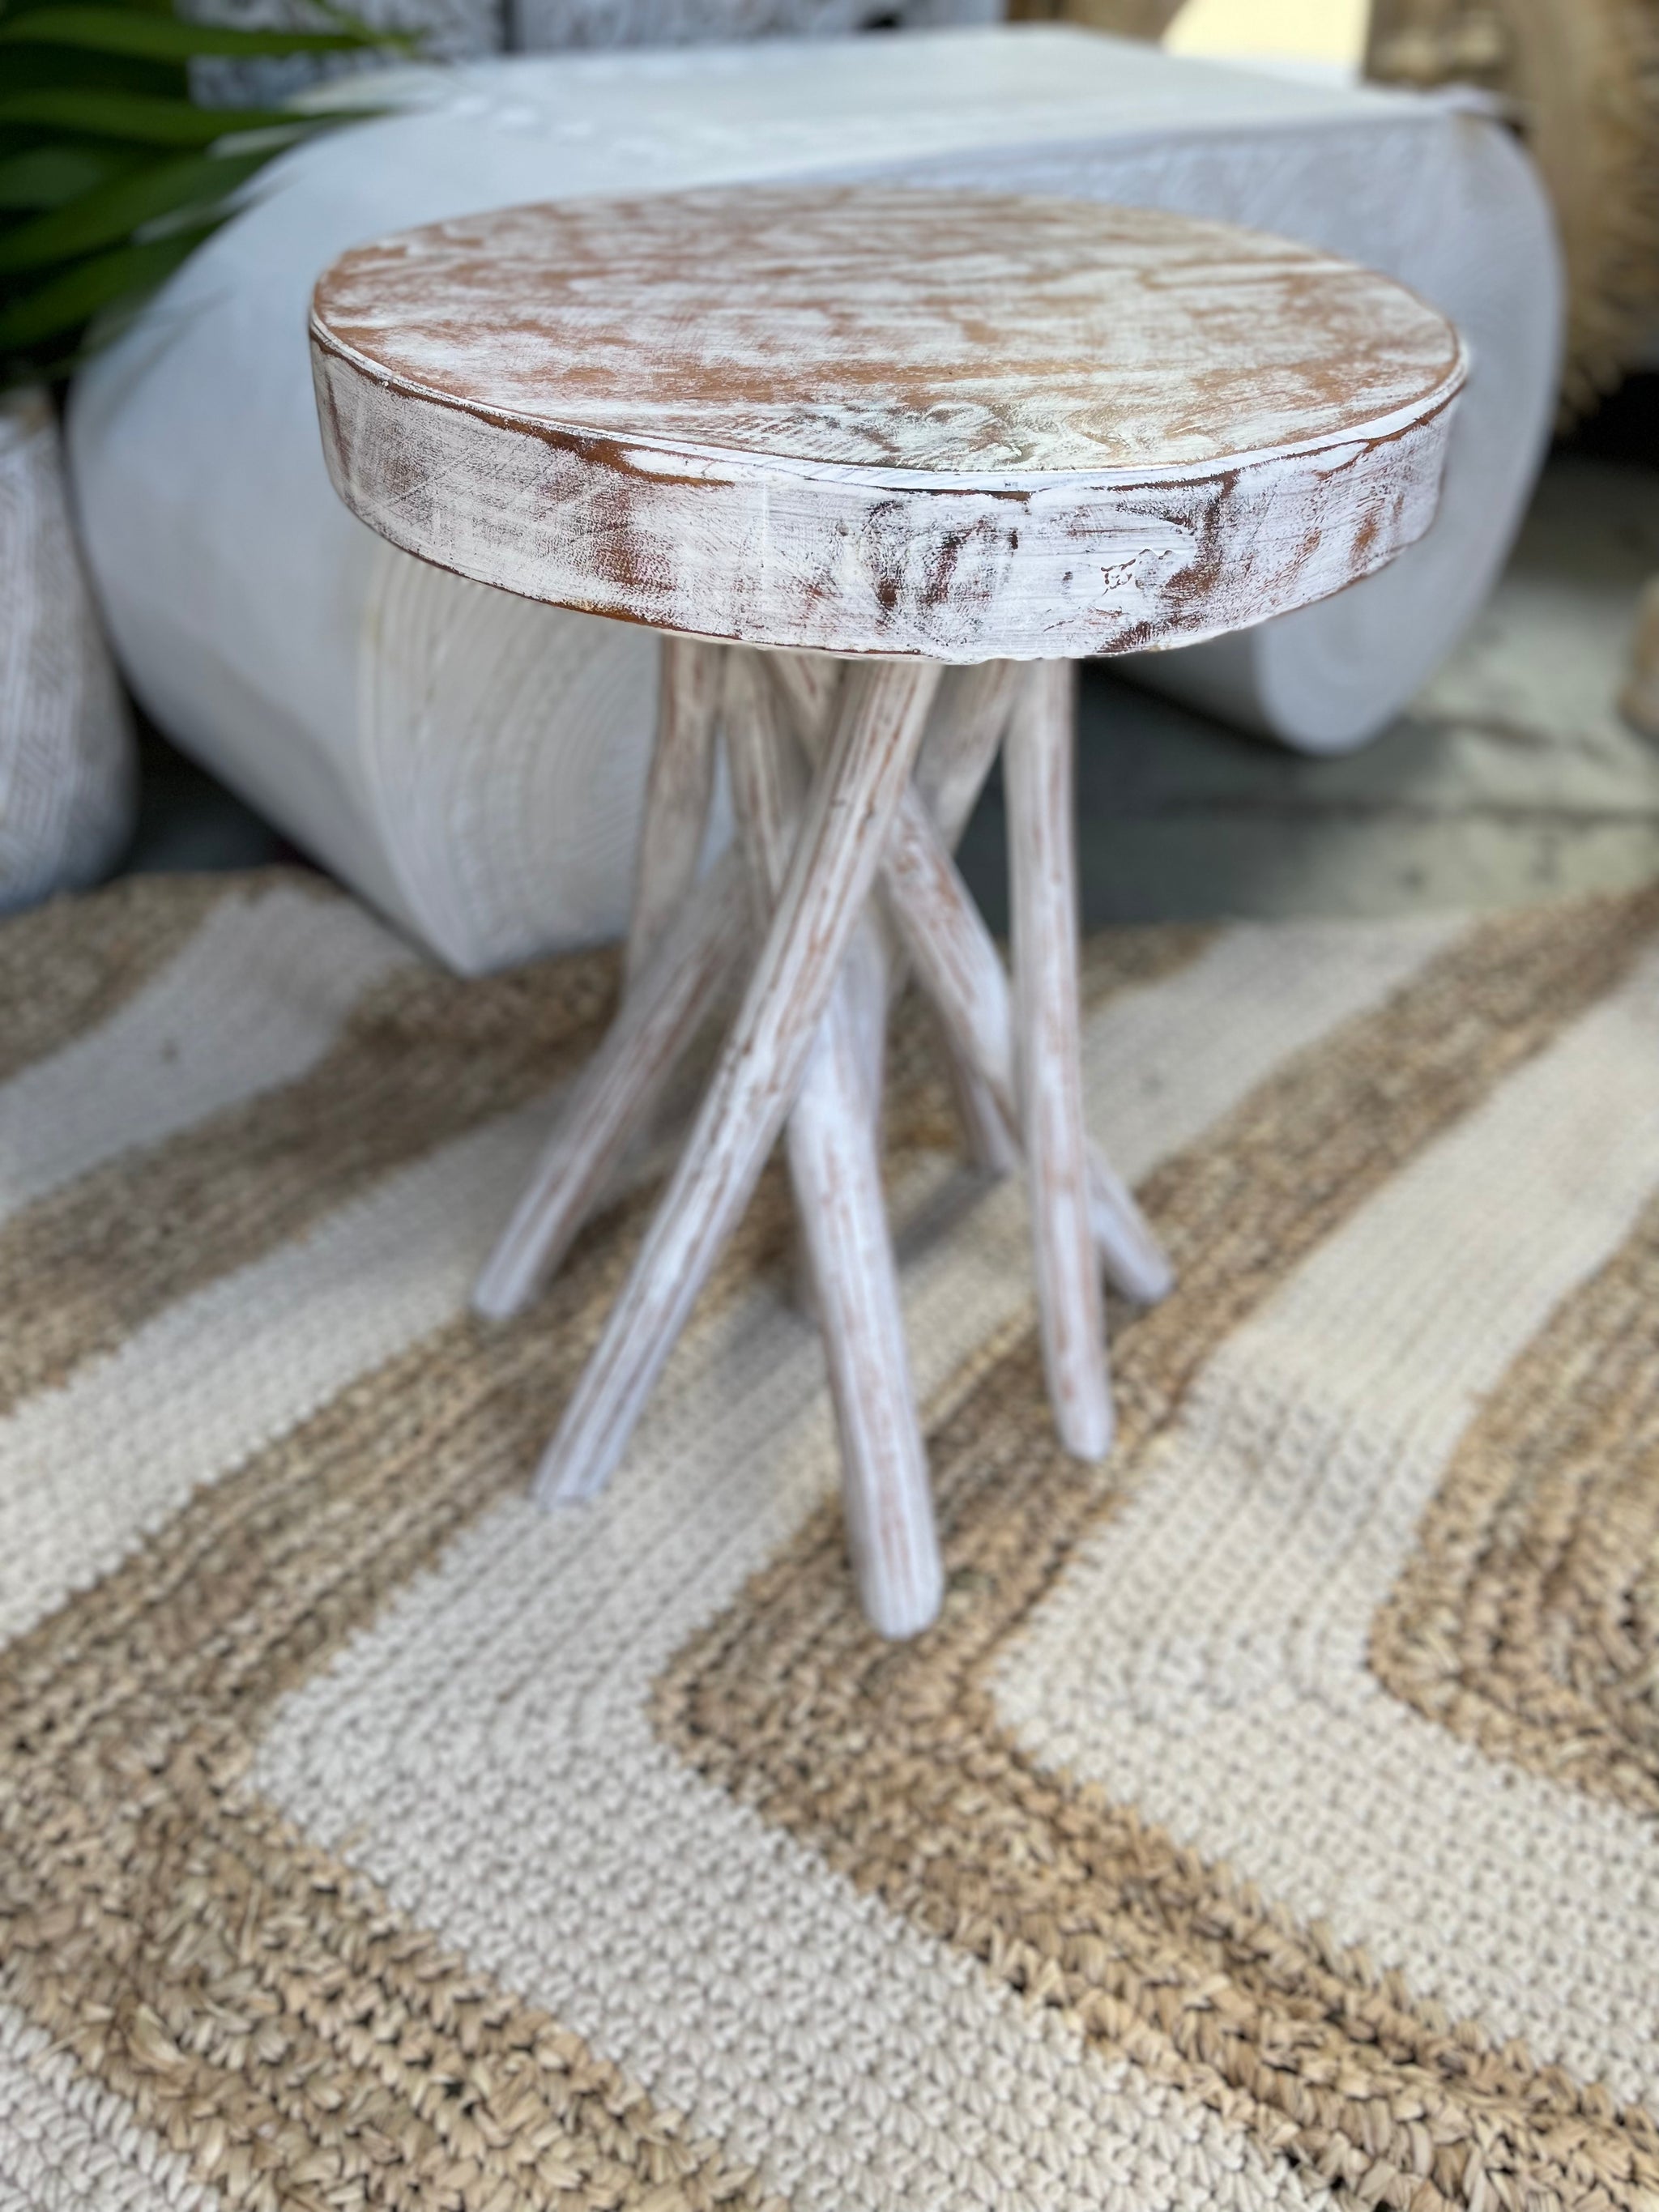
(957, 961)
(944, 935)
(1038, 778)
(970, 717)
(879, 727)
(869, 419)
(970, 712)
(676, 792)
(836, 1172)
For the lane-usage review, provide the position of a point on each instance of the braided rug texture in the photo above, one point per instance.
(1270, 1822)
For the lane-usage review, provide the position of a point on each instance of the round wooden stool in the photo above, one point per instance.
(875, 432)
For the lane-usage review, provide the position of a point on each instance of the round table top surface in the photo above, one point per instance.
(877, 327)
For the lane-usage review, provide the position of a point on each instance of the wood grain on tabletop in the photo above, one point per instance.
(869, 418)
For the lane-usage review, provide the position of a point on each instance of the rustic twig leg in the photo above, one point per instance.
(944, 937)
(609, 1103)
(1038, 776)
(957, 961)
(970, 712)
(678, 792)
(866, 768)
(665, 1000)
(835, 1172)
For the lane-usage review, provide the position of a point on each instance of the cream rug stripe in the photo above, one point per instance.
(213, 1379)
(1245, 1718)
(1161, 1064)
(67, 2144)
(486, 1741)
(252, 1002)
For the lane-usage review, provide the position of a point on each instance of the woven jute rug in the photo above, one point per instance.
(1270, 1821)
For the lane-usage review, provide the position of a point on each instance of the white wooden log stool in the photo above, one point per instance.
(834, 441)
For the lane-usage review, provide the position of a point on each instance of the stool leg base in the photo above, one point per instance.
(878, 728)
(806, 1049)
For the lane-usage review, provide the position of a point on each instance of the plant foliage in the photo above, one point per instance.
(110, 174)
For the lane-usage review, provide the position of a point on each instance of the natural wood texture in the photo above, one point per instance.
(872, 419)
(835, 1172)
(970, 712)
(957, 961)
(1038, 778)
(944, 937)
(879, 727)
(678, 792)
(610, 1100)
(970, 717)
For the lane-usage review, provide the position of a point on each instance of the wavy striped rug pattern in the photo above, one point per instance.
(1271, 1821)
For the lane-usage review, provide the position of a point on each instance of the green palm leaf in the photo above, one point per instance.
(47, 176)
(123, 208)
(67, 302)
(160, 38)
(95, 113)
(110, 175)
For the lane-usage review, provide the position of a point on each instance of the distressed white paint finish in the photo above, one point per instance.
(959, 965)
(611, 1098)
(676, 792)
(969, 719)
(1043, 873)
(879, 727)
(970, 711)
(871, 419)
(957, 961)
(835, 1170)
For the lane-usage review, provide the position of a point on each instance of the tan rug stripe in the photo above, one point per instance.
(71, 963)
(914, 1793)
(1528, 1621)
(425, 1057)
(260, 2008)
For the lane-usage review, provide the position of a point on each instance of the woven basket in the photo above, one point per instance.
(67, 765)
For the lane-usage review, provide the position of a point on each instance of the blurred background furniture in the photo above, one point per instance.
(390, 719)
(67, 769)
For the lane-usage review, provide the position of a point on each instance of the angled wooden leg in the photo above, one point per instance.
(835, 1172)
(1037, 771)
(957, 963)
(970, 713)
(964, 734)
(610, 1101)
(944, 937)
(970, 717)
(678, 792)
(665, 1000)
(867, 765)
